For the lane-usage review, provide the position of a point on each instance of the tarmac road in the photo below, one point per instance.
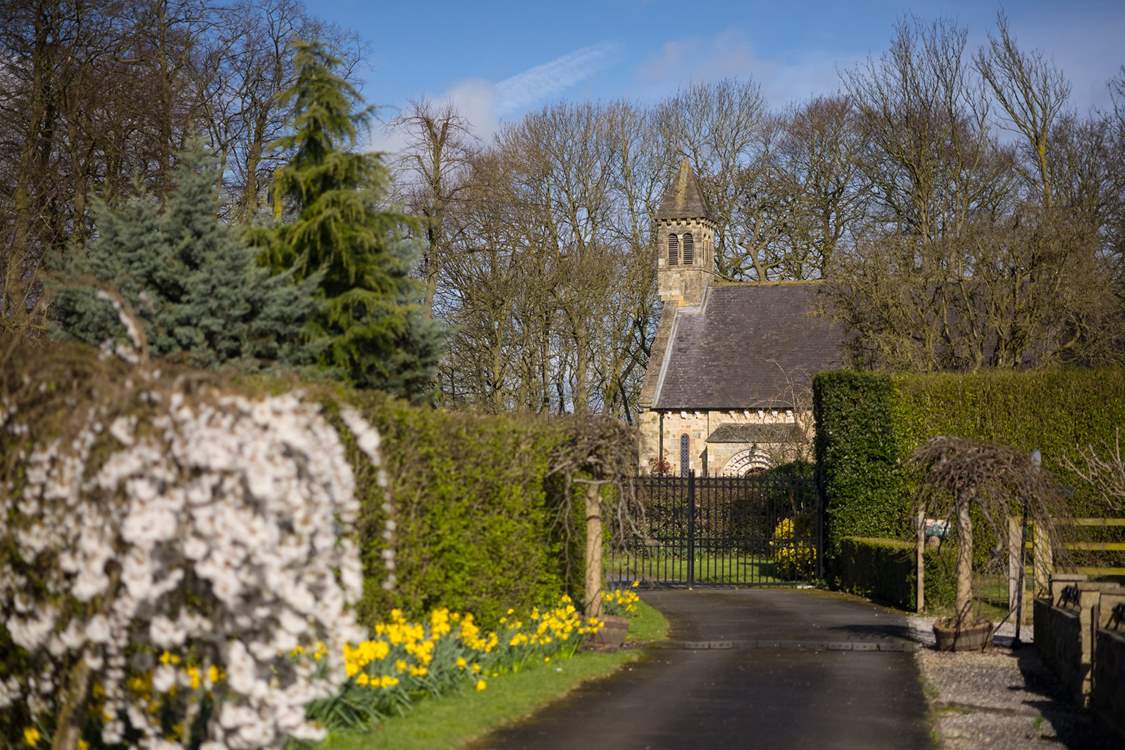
(749, 668)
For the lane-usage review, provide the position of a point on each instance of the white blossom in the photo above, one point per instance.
(246, 499)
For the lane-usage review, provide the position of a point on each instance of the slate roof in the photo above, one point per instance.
(682, 199)
(733, 432)
(745, 346)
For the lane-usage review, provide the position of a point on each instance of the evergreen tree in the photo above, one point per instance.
(196, 286)
(375, 331)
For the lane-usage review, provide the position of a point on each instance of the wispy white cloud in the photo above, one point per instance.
(1086, 46)
(484, 103)
(543, 81)
(729, 54)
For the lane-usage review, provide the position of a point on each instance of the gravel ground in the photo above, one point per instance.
(1003, 698)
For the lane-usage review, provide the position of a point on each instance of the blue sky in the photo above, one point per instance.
(497, 60)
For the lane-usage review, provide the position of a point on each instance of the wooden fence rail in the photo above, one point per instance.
(1043, 555)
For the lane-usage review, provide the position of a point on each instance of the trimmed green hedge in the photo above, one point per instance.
(869, 423)
(884, 570)
(478, 524)
(480, 520)
(857, 459)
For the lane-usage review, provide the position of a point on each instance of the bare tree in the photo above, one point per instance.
(932, 161)
(723, 130)
(1032, 93)
(1103, 470)
(824, 191)
(548, 281)
(433, 168)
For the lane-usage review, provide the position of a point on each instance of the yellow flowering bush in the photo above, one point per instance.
(403, 661)
(793, 558)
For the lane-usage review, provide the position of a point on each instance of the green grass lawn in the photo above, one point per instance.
(730, 569)
(455, 720)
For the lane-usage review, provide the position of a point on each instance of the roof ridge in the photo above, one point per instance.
(780, 282)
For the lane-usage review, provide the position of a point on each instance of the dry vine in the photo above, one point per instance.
(1104, 472)
(598, 450)
(958, 474)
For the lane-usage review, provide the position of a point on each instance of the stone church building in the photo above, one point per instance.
(727, 386)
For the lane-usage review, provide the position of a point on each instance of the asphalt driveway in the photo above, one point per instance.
(749, 668)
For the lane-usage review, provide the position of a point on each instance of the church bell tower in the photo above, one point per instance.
(685, 265)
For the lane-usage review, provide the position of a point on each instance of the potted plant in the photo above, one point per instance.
(618, 605)
(958, 475)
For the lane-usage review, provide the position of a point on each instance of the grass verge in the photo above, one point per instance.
(723, 569)
(455, 720)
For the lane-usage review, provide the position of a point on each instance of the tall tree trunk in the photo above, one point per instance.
(253, 159)
(964, 602)
(28, 197)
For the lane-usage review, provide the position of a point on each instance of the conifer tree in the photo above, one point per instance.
(328, 197)
(195, 284)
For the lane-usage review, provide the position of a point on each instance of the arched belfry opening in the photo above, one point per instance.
(687, 267)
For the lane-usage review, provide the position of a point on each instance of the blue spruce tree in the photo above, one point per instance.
(194, 283)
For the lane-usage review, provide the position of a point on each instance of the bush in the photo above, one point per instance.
(858, 455)
(868, 424)
(794, 559)
(884, 570)
(479, 520)
(166, 539)
(469, 512)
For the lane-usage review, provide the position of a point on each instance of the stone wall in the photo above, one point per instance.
(698, 425)
(1080, 634)
(1058, 637)
(1107, 696)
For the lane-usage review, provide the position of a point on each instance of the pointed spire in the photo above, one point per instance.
(682, 198)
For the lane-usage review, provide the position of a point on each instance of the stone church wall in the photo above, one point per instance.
(698, 425)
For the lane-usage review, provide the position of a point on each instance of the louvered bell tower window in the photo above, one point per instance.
(673, 250)
(689, 249)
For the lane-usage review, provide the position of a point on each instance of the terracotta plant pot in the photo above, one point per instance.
(612, 636)
(975, 637)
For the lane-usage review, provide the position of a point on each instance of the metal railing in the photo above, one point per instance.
(755, 530)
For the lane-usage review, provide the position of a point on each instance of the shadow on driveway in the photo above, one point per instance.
(785, 669)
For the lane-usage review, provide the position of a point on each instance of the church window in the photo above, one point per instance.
(685, 455)
(673, 250)
(689, 249)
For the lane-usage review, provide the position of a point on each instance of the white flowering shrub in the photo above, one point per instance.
(165, 552)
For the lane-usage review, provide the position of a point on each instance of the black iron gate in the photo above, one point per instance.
(754, 530)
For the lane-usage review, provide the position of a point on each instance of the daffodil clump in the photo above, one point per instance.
(793, 558)
(621, 602)
(404, 661)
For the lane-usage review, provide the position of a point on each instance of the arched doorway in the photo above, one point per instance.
(747, 462)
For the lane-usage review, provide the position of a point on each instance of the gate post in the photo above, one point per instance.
(691, 529)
